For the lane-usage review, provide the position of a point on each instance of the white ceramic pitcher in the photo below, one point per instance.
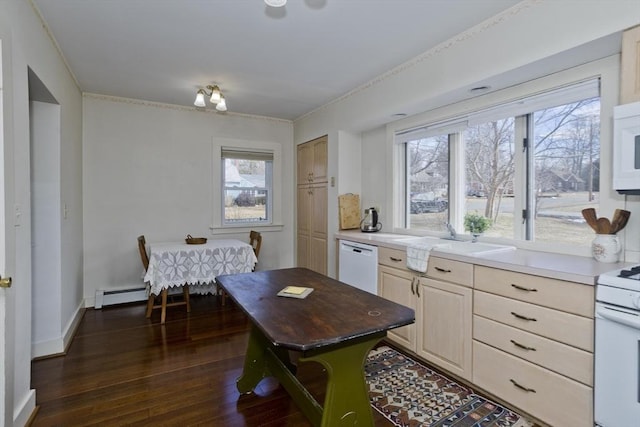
(606, 248)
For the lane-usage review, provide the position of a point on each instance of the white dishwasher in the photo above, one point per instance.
(358, 265)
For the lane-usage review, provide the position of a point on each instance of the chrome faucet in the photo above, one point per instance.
(452, 231)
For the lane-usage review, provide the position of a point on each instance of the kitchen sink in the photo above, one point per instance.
(417, 239)
(473, 249)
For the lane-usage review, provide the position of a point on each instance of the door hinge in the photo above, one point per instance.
(525, 143)
(525, 215)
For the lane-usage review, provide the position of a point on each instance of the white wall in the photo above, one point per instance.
(514, 39)
(45, 229)
(148, 170)
(25, 44)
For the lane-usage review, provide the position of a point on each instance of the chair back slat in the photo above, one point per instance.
(255, 240)
(142, 248)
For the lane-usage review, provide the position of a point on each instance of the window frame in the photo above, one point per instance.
(218, 226)
(267, 157)
(606, 70)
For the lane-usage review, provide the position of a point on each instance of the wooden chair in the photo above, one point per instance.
(151, 302)
(255, 240)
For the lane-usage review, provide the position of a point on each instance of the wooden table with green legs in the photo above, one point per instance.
(336, 325)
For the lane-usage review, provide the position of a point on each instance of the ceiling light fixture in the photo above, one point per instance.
(214, 95)
(275, 3)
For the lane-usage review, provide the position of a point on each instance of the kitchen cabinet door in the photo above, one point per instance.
(312, 227)
(312, 161)
(630, 66)
(399, 286)
(445, 328)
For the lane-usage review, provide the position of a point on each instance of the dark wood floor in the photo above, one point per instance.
(122, 369)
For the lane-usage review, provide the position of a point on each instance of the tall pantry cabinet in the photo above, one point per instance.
(312, 205)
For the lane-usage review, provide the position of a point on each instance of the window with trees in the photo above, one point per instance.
(530, 167)
(246, 185)
(428, 181)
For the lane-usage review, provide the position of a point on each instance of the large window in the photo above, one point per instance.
(247, 186)
(529, 166)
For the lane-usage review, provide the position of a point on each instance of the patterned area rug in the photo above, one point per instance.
(410, 394)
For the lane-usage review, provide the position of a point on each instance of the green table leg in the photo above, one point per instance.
(347, 399)
(255, 368)
(257, 361)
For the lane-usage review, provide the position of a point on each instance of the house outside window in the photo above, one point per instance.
(246, 187)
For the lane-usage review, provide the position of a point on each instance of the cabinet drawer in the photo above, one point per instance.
(566, 296)
(450, 271)
(567, 328)
(552, 398)
(560, 358)
(392, 257)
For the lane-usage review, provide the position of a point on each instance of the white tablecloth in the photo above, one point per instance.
(174, 264)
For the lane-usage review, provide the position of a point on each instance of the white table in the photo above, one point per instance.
(172, 264)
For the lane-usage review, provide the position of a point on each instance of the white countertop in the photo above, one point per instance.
(557, 266)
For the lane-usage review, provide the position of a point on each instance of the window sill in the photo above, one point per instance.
(245, 228)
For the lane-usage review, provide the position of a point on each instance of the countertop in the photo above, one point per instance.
(557, 266)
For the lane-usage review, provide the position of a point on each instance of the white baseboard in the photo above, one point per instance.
(60, 344)
(22, 412)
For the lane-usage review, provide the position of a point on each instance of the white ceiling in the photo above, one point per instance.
(280, 62)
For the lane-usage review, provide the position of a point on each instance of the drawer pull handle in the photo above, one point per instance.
(521, 387)
(443, 270)
(520, 316)
(522, 346)
(522, 288)
(394, 259)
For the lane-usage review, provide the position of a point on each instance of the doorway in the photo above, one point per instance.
(46, 212)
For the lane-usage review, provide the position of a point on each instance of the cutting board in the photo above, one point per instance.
(349, 211)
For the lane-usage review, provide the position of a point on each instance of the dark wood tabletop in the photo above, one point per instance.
(333, 313)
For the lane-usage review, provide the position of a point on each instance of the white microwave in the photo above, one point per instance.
(626, 148)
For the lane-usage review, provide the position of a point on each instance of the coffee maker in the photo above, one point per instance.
(369, 223)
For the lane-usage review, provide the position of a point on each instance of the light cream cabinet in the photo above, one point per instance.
(398, 284)
(311, 215)
(312, 161)
(533, 344)
(442, 331)
(445, 307)
(630, 66)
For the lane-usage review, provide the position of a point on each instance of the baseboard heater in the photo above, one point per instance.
(119, 296)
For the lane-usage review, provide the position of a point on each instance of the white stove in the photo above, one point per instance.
(620, 287)
(617, 349)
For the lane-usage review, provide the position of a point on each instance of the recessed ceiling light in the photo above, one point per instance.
(479, 89)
